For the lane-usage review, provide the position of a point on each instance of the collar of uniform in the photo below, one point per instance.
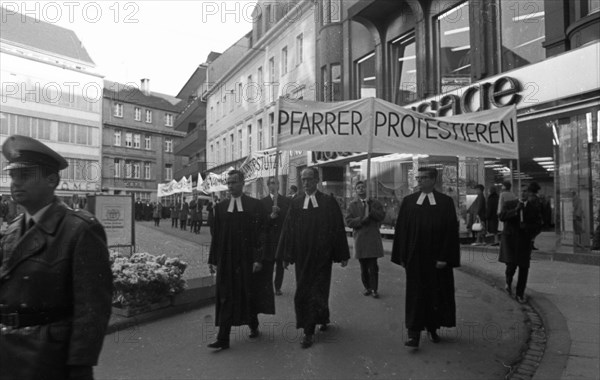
(38, 215)
(313, 199)
(50, 219)
(430, 196)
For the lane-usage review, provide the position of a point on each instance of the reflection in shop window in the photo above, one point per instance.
(523, 33)
(454, 47)
(404, 69)
(366, 76)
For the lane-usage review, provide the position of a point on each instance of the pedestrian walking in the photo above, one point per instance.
(491, 217)
(522, 221)
(210, 207)
(364, 216)
(237, 254)
(426, 244)
(199, 206)
(157, 213)
(477, 215)
(313, 238)
(275, 219)
(175, 215)
(55, 275)
(193, 207)
(183, 215)
(139, 209)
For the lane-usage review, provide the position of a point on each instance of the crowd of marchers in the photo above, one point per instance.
(253, 238)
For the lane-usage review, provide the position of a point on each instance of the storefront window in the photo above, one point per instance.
(366, 76)
(404, 69)
(522, 32)
(454, 47)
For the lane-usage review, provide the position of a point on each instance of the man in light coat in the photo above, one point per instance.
(364, 216)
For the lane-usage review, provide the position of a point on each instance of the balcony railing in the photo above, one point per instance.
(192, 143)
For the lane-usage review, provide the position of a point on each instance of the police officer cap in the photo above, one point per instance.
(25, 152)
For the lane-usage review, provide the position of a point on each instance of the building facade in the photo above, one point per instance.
(275, 60)
(138, 139)
(445, 58)
(52, 92)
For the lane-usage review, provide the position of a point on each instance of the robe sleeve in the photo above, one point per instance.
(451, 252)
(399, 245)
(341, 251)
(213, 257)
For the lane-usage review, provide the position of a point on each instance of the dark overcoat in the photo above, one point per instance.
(184, 211)
(424, 235)
(59, 266)
(274, 225)
(237, 243)
(515, 244)
(367, 238)
(313, 239)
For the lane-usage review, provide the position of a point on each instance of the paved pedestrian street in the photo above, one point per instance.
(365, 341)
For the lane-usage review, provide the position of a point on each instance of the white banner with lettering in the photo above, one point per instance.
(215, 182)
(165, 189)
(261, 164)
(378, 126)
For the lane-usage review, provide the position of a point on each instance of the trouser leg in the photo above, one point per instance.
(224, 331)
(522, 280)
(374, 273)
(309, 330)
(364, 273)
(253, 322)
(278, 274)
(510, 273)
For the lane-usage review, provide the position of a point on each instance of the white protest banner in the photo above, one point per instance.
(165, 189)
(199, 183)
(215, 182)
(184, 185)
(378, 126)
(261, 164)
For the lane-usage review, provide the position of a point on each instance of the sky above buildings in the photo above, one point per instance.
(164, 41)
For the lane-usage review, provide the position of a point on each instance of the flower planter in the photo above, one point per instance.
(130, 311)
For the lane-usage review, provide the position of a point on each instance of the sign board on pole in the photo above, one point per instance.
(115, 213)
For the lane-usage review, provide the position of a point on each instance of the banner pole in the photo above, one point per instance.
(276, 195)
(370, 148)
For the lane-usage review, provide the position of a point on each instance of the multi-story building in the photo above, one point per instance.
(450, 57)
(191, 151)
(138, 139)
(275, 59)
(51, 91)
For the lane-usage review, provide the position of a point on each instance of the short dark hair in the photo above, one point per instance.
(314, 170)
(431, 171)
(359, 183)
(294, 187)
(239, 174)
(507, 185)
(534, 187)
(480, 187)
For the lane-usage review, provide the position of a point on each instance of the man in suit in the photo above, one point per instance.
(522, 222)
(313, 237)
(364, 216)
(426, 244)
(237, 254)
(277, 213)
(293, 192)
(55, 275)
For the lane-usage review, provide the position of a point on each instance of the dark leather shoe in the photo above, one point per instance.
(433, 336)
(278, 292)
(375, 294)
(324, 327)
(219, 345)
(367, 292)
(307, 341)
(521, 299)
(412, 343)
(254, 333)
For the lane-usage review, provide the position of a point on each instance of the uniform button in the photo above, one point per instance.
(23, 305)
(25, 277)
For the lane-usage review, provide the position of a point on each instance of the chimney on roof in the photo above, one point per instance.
(145, 86)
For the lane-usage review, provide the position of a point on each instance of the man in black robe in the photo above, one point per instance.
(277, 214)
(426, 244)
(313, 238)
(237, 255)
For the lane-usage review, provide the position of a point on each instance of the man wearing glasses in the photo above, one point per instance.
(426, 244)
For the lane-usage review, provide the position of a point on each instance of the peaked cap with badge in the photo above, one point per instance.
(25, 152)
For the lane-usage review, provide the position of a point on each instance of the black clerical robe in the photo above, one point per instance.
(238, 241)
(425, 234)
(313, 239)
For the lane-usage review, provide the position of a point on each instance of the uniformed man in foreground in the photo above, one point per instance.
(55, 275)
